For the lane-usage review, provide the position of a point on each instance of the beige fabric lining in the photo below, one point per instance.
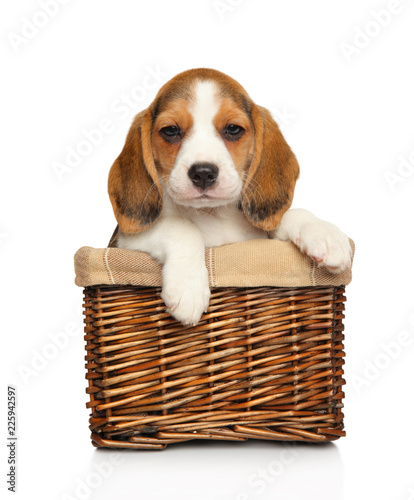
(247, 264)
(108, 269)
(312, 272)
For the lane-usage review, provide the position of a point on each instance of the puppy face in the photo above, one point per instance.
(203, 146)
(205, 143)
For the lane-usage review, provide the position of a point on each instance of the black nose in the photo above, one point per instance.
(203, 175)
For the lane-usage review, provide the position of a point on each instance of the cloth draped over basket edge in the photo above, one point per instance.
(250, 263)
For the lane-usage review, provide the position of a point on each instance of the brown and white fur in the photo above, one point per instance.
(204, 166)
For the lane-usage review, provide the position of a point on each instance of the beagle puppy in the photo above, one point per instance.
(204, 166)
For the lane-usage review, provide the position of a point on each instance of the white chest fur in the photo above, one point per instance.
(222, 225)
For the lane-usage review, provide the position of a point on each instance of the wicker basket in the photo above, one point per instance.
(264, 363)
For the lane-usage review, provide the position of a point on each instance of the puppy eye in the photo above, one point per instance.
(233, 132)
(171, 133)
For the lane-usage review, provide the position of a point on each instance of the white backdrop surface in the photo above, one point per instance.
(338, 78)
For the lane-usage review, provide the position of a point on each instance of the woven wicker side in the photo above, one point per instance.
(264, 363)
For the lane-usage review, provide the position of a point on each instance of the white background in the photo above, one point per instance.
(349, 119)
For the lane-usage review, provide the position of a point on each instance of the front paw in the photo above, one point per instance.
(326, 244)
(186, 293)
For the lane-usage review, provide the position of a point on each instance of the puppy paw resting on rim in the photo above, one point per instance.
(204, 166)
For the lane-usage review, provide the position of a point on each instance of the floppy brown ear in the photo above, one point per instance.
(271, 179)
(133, 185)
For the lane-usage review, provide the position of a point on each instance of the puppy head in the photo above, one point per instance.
(205, 143)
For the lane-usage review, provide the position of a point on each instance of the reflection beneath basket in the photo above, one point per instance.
(235, 471)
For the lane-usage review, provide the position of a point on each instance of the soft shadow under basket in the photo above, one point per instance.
(265, 362)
